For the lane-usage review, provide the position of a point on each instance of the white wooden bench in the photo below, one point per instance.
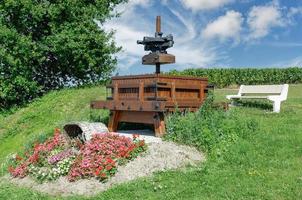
(274, 93)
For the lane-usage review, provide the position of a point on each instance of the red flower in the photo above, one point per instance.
(135, 136)
(34, 158)
(97, 172)
(109, 160)
(103, 175)
(108, 167)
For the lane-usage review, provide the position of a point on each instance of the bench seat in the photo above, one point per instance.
(274, 93)
(246, 97)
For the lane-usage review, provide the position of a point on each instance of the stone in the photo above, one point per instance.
(84, 130)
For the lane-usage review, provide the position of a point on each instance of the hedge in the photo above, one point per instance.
(237, 76)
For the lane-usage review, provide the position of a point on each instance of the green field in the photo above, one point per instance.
(265, 165)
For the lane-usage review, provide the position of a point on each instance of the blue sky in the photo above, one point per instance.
(212, 33)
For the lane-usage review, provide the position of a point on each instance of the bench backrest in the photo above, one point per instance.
(261, 89)
(280, 90)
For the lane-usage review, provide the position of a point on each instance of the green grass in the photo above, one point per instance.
(264, 165)
(42, 116)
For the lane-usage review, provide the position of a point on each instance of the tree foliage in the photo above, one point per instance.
(48, 44)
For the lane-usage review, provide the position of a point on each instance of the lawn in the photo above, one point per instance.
(265, 165)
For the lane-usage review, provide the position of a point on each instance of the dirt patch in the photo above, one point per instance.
(160, 156)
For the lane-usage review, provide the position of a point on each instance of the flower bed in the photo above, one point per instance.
(59, 156)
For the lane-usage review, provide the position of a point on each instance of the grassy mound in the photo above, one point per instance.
(266, 164)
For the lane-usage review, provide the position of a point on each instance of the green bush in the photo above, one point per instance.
(210, 129)
(234, 76)
(46, 45)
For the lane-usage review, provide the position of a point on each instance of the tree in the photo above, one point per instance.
(49, 44)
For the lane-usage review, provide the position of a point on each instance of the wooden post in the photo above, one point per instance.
(173, 92)
(201, 93)
(115, 94)
(159, 125)
(141, 91)
(113, 121)
(158, 24)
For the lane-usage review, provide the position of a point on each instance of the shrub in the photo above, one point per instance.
(46, 45)
(209, 129)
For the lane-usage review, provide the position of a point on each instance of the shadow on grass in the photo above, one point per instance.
(260, 104)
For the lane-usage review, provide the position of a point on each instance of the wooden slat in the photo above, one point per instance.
(184, 104)
(187, 86)
(141, 91)
(136, 117)
(115, 92)
(129, 105)
(128, 85)
(159, 76)
(156, 99)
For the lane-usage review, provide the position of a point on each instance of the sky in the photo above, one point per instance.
(211, 33)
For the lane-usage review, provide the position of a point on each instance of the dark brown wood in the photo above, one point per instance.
(113, 121)
(158, 59)
(158, 24)
(159, 76)
(137, 117)
(157, 67)
(131, 105)
(159, 124)
(147, 98)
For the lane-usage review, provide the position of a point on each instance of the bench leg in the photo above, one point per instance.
(234, 102)
(277, 106)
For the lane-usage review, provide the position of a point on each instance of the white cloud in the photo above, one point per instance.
(292, 14)
(127, 37)
(225, 27)
(294, 11)
(127, 32)
(139, 2)
(127, 9)
(294, 62)
(261, 19)
(190, 56)
(285, 44)
(189, 49)
(189, 33)
(132, 3)
(197, 5)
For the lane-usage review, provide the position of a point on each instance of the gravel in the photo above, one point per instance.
(160, 156)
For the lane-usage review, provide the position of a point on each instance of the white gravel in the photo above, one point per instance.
(160, 156)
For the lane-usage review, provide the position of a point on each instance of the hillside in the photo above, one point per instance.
(266, 165)
(45, 114)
